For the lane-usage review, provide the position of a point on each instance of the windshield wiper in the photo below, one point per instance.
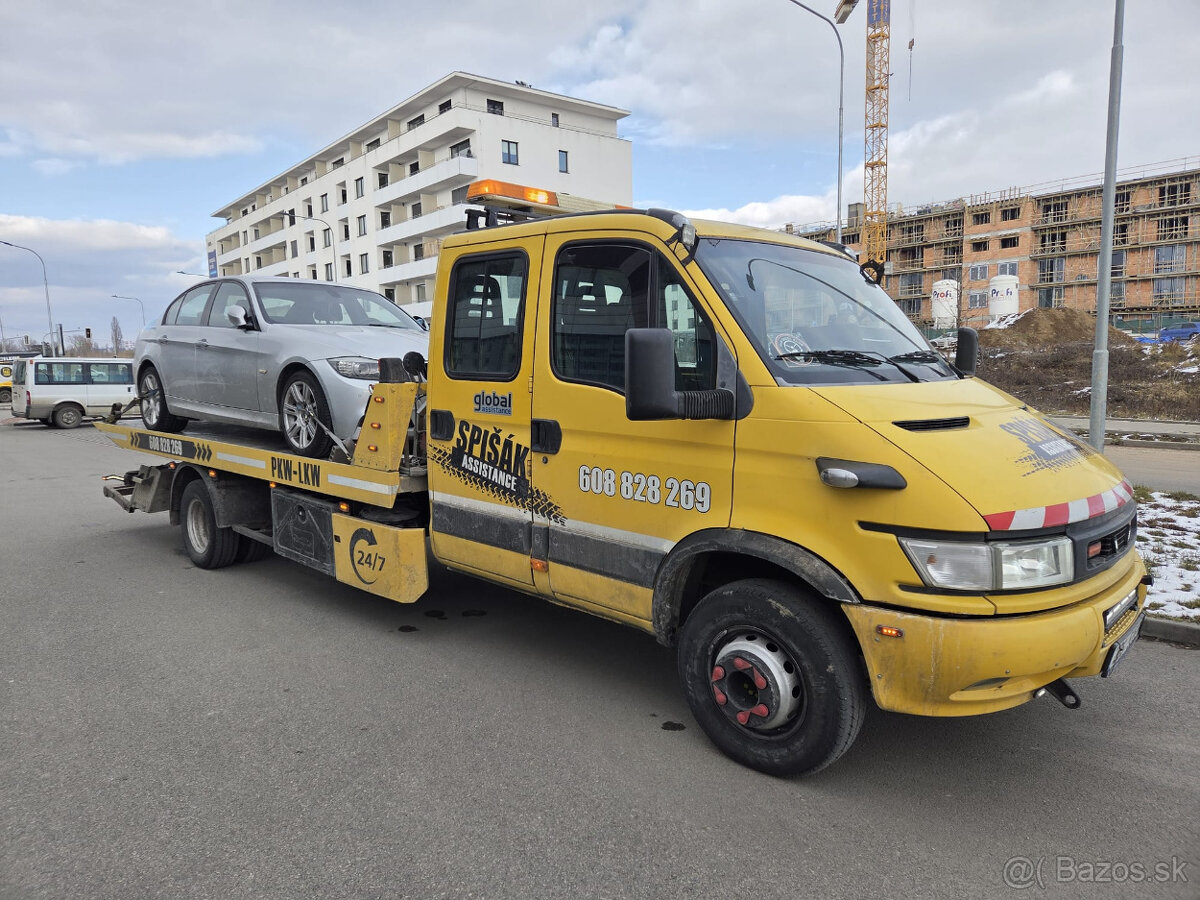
(917, 356)
(852, 359)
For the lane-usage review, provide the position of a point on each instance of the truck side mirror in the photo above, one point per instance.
(650, 382)
(966, 357)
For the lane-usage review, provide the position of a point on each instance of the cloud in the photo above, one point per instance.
(52, 167)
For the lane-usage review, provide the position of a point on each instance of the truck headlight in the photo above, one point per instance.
(356, 367)
(1000, 566)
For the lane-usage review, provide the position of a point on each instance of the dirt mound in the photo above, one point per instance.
(1041, 329)
(1044, 357)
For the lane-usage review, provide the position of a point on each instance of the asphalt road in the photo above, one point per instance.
(262, 731)
(1157, 468)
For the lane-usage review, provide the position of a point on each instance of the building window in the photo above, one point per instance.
(1011, 214)
(258, 262)
(303, 180)
(418, 251)
(1055, 211)
(1050, 298)
(1118, 264)
(362, 225)
(910, 285)
(1122, 201)
(562, 161)
(1168, 289)
(308, 208)
(1178, 194)
(256, 234)
(414, 167)
(324, 203)
(1172, 228)
(387, 259)
(328, 235)
(1053, 240)
(345, 230)
(950, 275)
(295, 248)
(329, 271)
(910, 306)
(1006, 268)
(977, 299)
(978, 273)
(291, 217)
(360, 187)
(1007, 243)
(443, 107)
(349, 268)
(979, 246)
(339, 162)
(462, 148)
(554, 119)
(390, 294)
(385, 219)
(1116, 293)
(414, 211)
(912, 233)
(495, 107)
(342, 193)
(383, 179)
(850, 237)
(363, 268)
(981, 218)
(1170, 259)
(418, 121)
(1121, 234)
(1052, 271)
(312, 272)
(419, 294)
(312, 242)
(508, 152)
(459, 194)
(372, 145)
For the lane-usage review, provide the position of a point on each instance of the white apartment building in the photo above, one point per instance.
(371, 208)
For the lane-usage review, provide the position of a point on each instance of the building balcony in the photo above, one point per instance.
(409, 271)
(447, 217)
(449, 173)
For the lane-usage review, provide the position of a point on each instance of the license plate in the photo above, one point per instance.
(1118, 650)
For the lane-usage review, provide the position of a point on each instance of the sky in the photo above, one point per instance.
(123, 125)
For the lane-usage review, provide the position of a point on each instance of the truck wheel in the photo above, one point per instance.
(302, 405)
(208, 546)
(250, 550)
(154, 404)
(5, 396)
(68, 416)
(771, 677)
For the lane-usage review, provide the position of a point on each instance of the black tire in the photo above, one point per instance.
(155, 413)
(301, 405)
(49, 423)
(208, 546)
(6, 396)
(250, 550)
(68, 416)
(787, 670)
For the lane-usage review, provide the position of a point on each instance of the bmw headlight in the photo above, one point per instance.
(356, 367)
(1000, 566)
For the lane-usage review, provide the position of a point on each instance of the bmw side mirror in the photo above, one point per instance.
(237, 316)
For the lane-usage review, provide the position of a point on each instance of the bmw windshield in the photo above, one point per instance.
(305, 303)
(814, 317)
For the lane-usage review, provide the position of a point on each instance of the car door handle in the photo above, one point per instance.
(545, 436)
(202, 344)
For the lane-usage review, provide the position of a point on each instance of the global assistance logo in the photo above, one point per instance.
(493, 404)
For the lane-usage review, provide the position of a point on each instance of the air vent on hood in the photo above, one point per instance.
(934, 424)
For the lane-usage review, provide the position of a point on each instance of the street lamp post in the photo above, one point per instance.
(841, 94)
(45, 284)
(332, 236)
(139, 303)
(181, 272)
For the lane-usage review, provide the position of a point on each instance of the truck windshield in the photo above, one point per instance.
(304, 303)
(813, 316)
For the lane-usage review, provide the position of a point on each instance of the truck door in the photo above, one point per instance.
(620, 494)
(480, 368)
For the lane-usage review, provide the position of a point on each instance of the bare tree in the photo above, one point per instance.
(116, 336)
(79, 345)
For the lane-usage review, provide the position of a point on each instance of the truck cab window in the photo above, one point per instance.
(485, 316)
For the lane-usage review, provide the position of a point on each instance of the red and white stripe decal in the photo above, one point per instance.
(1061, 513)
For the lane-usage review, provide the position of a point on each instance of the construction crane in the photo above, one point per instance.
(875, 125)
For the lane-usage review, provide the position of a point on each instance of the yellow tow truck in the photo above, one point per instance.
(728, 437)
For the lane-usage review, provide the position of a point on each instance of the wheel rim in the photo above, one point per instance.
(755, 682)
(151, 400)
(197, 527)
(69, 418)
(300, 414)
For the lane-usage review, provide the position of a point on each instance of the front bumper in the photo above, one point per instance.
(967, 666)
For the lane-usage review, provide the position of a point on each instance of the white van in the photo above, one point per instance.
(61, 392)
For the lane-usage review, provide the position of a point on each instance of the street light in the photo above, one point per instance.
(45, 284)
(181, 272)
(843, 10)
(139, 303)
(332, 235)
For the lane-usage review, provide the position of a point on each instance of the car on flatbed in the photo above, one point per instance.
(283, 354)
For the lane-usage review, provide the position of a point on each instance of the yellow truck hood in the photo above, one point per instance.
(1013, 466)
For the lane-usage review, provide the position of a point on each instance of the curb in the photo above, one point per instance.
(1171, 630)
(1165, 445)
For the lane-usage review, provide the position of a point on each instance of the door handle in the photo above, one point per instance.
(202, 344)
(545, 436)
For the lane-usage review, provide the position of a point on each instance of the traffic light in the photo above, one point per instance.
(87, 333)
